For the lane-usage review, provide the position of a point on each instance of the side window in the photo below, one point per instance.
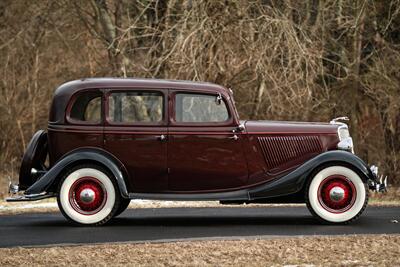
(87, 107)
(200, 108)
(135, 107)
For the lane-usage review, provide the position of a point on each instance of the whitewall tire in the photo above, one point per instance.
(87, 195)
(336, 194)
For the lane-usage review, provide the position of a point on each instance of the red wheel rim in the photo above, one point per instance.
(336, 194)
(87, 195)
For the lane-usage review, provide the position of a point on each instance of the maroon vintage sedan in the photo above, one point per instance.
(111, 140)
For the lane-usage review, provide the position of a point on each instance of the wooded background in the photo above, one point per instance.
(285, 60)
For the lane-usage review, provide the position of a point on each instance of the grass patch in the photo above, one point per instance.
(367, 250)
(392, 197)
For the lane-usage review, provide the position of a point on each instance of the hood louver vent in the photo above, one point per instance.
(279, 150)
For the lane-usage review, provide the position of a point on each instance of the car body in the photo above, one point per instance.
(183, 140)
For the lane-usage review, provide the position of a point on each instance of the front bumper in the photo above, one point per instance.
(379, 182)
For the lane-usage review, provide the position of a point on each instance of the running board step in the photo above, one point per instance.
(32, 197)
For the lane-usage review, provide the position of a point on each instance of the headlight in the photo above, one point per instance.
(346, 142)
(343, 132)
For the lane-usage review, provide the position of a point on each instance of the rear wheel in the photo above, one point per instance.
(88, 195)
(336, 194)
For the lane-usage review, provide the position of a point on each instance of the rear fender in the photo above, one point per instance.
(78, 156)
(295, 181)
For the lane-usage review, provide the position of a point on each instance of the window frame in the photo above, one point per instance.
(110, 91)
(72, 101)
(227, 122)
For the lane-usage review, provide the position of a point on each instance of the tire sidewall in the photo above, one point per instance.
(111, 203)
(353, 212)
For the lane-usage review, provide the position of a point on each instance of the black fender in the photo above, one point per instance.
(82, 155)
(295, 180)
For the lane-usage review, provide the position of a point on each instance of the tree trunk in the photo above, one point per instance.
(354, 82)
(258, 99)
(110, 33)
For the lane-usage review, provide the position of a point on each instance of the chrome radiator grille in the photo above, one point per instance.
(282, 149)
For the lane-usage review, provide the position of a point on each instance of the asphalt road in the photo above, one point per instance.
(188, 223)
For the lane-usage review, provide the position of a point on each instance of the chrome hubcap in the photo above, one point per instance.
(87, 195)
(337, 193)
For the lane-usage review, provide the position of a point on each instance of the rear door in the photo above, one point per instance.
(135, 132)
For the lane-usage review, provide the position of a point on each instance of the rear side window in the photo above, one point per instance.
(200, 108)
(135, 107)
(87, 107)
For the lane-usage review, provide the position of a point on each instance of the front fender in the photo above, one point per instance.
(77, 156)
(295, 180)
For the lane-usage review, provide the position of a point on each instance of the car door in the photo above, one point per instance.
(135, 132)
(204, 154)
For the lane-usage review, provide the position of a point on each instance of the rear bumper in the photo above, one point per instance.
(33, 197)
(379, 182)
(13, 189)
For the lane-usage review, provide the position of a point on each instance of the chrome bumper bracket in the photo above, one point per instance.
(13, 188)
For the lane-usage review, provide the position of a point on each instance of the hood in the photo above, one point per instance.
(282, 127)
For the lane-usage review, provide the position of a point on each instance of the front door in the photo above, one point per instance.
(135, 132)
(203, 152)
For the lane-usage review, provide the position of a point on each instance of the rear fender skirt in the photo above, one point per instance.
(295, 181)
(77, 156)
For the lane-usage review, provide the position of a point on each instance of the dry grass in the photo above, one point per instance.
(390, 198)
(50, 205)
(378, 250)
(45, 205)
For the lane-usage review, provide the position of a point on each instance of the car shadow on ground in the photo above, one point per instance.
(218, 216)
(207, 220)
(196, 217)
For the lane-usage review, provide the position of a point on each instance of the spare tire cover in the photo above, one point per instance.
(34, 157)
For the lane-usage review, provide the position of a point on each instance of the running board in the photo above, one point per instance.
(225, 196)
(32, 197)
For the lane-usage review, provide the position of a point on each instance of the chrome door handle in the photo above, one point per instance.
(162, 137)
(234, 137)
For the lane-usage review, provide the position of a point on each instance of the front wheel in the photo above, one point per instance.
(336, 194)
(88, 195)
